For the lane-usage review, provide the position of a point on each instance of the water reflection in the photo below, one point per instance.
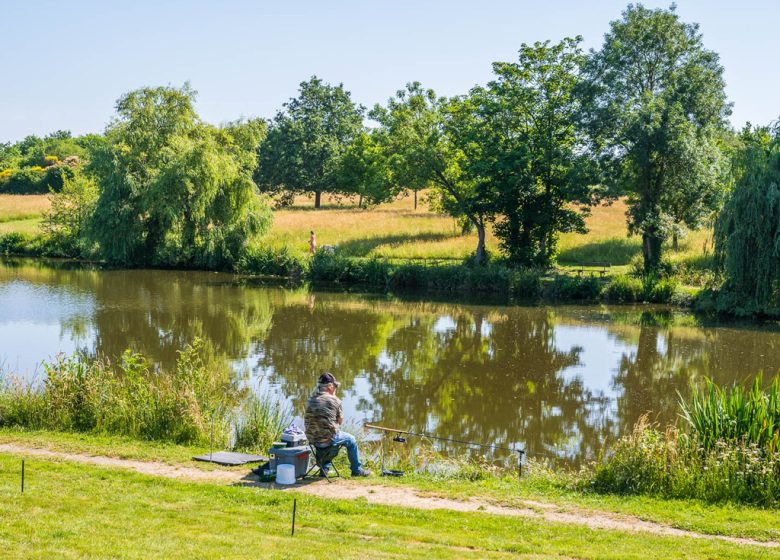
(558, 380)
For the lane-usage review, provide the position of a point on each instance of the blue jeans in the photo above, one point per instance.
(348, 441)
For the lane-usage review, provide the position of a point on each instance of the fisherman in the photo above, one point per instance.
(322, 423)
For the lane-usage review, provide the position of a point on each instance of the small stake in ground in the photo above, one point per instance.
(22, 476)
(211, 445)
(295, 506)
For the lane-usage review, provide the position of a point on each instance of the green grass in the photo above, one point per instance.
(79, 511)
(539, 484)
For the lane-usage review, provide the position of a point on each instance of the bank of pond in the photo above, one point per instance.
(435, 276)
(725, 448)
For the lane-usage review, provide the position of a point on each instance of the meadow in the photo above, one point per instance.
(397, 231)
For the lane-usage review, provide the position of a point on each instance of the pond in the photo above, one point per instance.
(558, 380)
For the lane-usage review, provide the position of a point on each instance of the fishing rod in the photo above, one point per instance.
(400, 439)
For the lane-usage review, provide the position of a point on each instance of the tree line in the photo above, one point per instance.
(552, 134)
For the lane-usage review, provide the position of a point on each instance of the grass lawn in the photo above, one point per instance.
(71, 510)
(397, 231)
(726, 519)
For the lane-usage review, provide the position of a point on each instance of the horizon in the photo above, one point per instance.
(246, 60)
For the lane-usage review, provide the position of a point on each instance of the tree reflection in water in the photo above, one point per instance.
(492, 374)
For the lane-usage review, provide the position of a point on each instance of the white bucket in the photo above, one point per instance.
(285, 474)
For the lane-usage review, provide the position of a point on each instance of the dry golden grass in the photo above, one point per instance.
(396, 230)
(23, 206)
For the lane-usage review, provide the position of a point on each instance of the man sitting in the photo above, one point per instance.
(322, 423)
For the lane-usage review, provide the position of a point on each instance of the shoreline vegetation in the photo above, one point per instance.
(725, 449)
(420, 253)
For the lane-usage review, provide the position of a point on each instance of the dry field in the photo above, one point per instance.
(395, 230)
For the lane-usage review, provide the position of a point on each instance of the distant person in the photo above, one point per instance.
(322, 423)
(312, 243)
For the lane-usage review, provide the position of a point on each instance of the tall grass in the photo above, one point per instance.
(735, 414)
(726, 451)
(134, 398)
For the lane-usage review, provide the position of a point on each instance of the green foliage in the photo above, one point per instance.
(526, 283)
(747, 232)
(430, 142)
(305, 142)
(260, 422)
(729, 451)
(130, 398)
(735, 414)
(364, 170)
(40, 165)
(264, 260)
(582, 288)
(174, 191)
(657, 109)
(67, 219)
(27, 180)
(624, 289)
(541, 173)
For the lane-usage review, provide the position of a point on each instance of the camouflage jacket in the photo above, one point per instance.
(323, 417)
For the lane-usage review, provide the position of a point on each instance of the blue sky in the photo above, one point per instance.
(64, 64)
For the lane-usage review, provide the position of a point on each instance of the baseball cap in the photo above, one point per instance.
(327, 378)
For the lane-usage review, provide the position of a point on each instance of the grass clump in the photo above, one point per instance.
(135, 399)
(726, 452)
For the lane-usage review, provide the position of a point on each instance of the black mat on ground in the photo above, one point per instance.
(230, 459)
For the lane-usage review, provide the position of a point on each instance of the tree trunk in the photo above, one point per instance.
(415, 199)
(317, 197)
(360, 201)
(651, 249)
(480, 255)
(675, 241)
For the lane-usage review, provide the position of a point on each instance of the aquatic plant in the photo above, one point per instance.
(726, 451)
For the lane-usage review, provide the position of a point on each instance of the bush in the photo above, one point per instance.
(659, 291)
(624, 289)
(27, 180)
(566, 287)
(271, 262)
(526, 284)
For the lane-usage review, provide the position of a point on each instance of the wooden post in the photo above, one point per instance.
(22, 476)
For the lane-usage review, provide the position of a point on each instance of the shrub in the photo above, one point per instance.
(271, 262)
(526, 284)
(659, 291)
(566, 287)
(27, 180)
(624, 289)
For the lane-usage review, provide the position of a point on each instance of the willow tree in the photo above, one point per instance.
(747, 232)
(175, 191)
(658, 103)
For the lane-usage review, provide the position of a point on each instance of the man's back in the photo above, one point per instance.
(323, 417)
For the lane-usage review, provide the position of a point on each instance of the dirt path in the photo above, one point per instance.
(390, 495)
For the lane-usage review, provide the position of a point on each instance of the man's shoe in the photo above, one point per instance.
(362, 472)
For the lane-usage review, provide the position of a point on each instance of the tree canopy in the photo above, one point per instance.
(173, 190)
(657, 104)
(747, 232)
(533, 152)
(305, 142)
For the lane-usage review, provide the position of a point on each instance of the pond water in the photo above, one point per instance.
(558, 380)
